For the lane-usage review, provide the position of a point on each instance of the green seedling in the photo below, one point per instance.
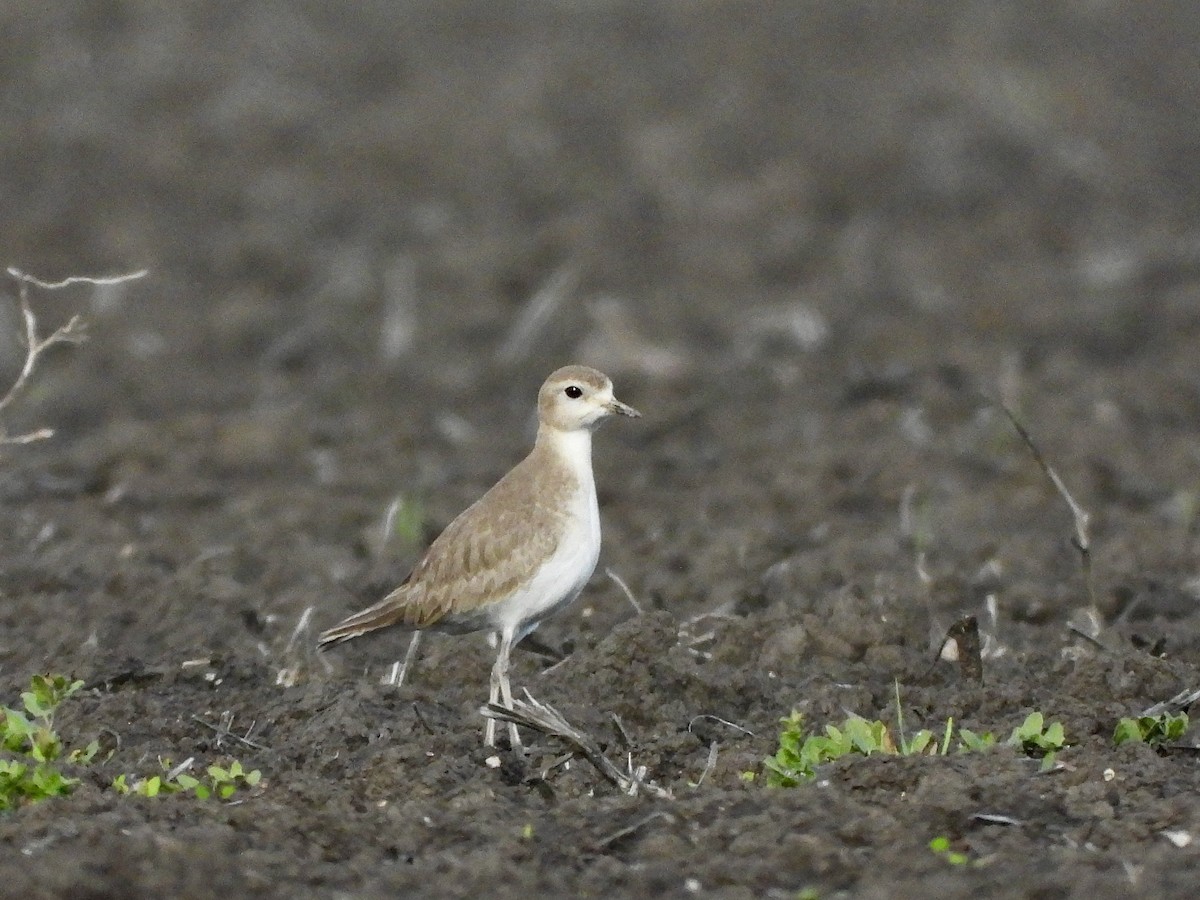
(218, 782)
(799, 755)
(923, 741)
(404, 521)
(32, 756)
(1154, 730)
(970, 742)
(941, 847)
(1035, 738)
(30, 765)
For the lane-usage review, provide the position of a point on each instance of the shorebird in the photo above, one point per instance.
(521, 552)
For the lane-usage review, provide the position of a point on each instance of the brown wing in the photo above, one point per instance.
(488, 551)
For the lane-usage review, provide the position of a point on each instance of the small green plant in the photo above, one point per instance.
(403, 521)
(32, 756)
(1035, 738)
(968, 741)
(30, 767)
(799, 755)
(941, 847)
(973, 743)
(219, 782)
(1153, 730)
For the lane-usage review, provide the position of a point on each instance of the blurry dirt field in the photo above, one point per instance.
(808, 241)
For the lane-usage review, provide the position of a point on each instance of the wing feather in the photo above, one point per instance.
(490, 550)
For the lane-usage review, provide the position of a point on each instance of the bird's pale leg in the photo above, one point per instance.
(500, 681)
(410, 657)
(395, 677)
(489, 730)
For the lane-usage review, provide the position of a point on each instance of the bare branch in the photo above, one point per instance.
(620, 582)
(75, 279)
(398, 670)
(710, 717)
(289, 675)
(541, 717)
(71, 333)
(181, 768)
(398, 334)
(710, 764)
(1179, 703)
(625, 832)
(535, 315)
(224, 729)
(29, 437)
(1082, 541)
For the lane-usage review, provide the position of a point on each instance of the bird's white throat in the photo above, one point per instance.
(574, 448)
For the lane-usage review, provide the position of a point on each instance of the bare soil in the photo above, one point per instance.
(812, 243)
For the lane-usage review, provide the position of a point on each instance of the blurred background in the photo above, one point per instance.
(390, 184)
(805, 238)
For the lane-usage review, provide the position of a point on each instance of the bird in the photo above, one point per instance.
(522, 551)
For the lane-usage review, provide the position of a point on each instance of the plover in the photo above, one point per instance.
(524, 550)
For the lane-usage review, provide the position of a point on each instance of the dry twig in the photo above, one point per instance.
(620, 833)
(540, 717)
(710, 717)
(289, 675)
(710, 764)
(1176, 704)
(535, 315)
(224, 729)
(398, 334)
(399, 670)
(620, 582)
(71, 333)
(1081, 540)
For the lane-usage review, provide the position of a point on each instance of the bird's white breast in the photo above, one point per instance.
(559, 579)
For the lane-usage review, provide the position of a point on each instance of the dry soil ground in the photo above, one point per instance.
(809, 241)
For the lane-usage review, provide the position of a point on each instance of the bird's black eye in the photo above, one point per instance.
(573, 391)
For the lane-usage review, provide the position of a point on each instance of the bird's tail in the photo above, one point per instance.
(388, 611)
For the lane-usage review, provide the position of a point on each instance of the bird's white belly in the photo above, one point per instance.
(560, 579)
